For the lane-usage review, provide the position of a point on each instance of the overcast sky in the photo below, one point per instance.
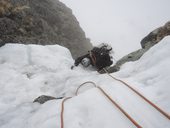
(121, 23)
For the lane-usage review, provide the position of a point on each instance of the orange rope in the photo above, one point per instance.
(84, 84)
(112, 101)
(62, 112)
(62, 105)
(126, 114)
(123, 111)
(148, 101)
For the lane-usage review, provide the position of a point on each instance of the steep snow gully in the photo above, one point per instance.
(28, 71)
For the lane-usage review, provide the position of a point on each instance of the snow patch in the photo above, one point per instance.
(28, 71)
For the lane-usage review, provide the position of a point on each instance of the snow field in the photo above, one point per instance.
(28, 71)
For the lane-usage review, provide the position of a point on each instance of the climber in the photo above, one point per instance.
(99, 57)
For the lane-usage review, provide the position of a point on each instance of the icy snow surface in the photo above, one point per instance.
(28, 71)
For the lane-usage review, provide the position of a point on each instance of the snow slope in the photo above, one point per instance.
(28, 71)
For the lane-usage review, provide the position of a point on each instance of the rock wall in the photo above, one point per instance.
(42, 22)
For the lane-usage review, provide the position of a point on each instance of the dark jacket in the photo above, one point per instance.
(99, 58)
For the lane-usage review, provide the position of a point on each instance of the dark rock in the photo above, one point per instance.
(156, 36)
(131, 57)
(4, 26)
(42, 22)
(1, 43)
(42, 99)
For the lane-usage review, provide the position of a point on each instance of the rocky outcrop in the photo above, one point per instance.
(150, 40)
(130, 57)
(43, 98)
(42, 22)
(2, 44)
(155, 36)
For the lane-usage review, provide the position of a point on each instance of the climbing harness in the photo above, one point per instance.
(104, 93)
(93, 58)
(139, 94)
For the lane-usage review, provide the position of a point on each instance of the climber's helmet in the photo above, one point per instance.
(85, 62)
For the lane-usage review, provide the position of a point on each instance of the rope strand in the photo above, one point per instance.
(84, 84)
(123, 111)
(139, 94)
(62, 112)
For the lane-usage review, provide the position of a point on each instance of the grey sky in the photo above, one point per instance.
(122, 23)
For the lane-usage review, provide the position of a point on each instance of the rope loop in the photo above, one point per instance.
(76, 93)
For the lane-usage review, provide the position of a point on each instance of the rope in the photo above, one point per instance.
(139, 94)
(111, 100)
(62, 112)
(62, 104)
(123, 111)
(84, 84)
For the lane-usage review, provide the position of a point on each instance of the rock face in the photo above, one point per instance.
(155, 36)
(147, 42)
(43, 98)
(42, 22)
